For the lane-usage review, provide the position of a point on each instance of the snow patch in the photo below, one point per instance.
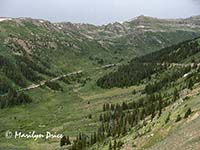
(60, 28)
(141, 27)
(4, 19)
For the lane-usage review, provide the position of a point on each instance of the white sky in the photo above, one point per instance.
(98, 11)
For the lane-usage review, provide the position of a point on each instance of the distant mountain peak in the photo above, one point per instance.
(143, 17)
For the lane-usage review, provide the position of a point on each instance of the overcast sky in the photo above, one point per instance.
(98, 11)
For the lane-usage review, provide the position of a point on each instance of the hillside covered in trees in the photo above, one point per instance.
(143, 67)
(164, 89)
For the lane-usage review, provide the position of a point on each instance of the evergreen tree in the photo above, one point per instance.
(110, 146)
(188, 112)
(160, 105)
(168, 118)
(115, 145)
(68, 141)
(178, 118)
(175, 95)
(63, 141)
(190, 84)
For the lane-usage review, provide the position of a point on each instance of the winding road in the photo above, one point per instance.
(33, 86)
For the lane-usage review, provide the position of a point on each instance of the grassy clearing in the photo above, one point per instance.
(61, 112)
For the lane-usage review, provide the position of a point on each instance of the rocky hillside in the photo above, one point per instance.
(32, 50)
(140, 35)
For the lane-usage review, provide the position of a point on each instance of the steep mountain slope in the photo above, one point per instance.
(167, 117)
(144, 66)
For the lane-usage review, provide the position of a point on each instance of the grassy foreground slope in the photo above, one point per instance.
(176, 125)
(157, 134)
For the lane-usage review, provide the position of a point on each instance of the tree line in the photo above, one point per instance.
(128, 75)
